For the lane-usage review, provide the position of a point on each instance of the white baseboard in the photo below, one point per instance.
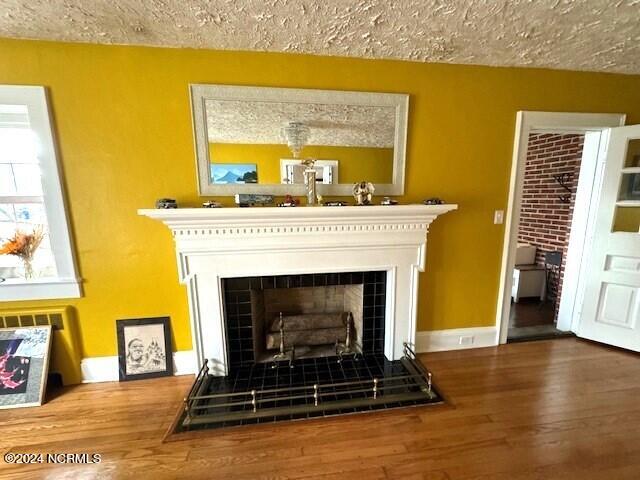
(105, 369)
(456, 339)
(184, 362)
(99, 369)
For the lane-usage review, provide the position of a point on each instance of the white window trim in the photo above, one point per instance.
(67, 283)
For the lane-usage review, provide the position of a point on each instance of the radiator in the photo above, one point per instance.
(65, 349)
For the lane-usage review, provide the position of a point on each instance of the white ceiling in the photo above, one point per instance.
(230, 121)
(596, 35)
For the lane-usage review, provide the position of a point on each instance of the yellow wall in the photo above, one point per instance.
(124, 129)
(354, 163)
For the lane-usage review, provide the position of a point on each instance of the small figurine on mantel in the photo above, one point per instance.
(289, 201)
(363, 192)
(166, 203)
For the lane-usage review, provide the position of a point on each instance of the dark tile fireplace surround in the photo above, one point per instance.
(238, 293)
(258, 389)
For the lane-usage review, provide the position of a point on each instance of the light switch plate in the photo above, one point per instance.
(498, 217)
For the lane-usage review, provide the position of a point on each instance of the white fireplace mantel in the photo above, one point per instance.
(212, 244)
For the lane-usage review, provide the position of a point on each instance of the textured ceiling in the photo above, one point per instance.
(597, 35)
(230, 121)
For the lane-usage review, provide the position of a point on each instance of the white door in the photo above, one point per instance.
(611, 308)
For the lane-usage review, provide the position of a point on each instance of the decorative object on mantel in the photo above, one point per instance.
(24, 245)
(363, 192)
(388, 201)
(563, 179)
(335, 203)
(433, 201)
(310, 176)
(144, 348)
(24, 363)
(211, 204)
(253, 200)
(289, 201)
(166, 203)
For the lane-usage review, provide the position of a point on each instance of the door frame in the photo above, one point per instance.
(526, 121)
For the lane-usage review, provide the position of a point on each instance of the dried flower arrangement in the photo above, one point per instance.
(24, 246)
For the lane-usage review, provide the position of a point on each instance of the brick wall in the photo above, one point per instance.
(545, 221)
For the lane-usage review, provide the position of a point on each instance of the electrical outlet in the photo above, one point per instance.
(498, 217)
(465, 340)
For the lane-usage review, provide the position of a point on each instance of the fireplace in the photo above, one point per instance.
(322, 269)
(316, 311)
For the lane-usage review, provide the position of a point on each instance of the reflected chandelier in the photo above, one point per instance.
(296, 135)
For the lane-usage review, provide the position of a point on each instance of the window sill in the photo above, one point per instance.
(40, 289)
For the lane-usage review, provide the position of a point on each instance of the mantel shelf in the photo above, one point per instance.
(237, 216)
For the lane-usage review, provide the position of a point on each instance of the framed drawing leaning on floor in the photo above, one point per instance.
(144, 348)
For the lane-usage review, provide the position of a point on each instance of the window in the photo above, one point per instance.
(31, 199)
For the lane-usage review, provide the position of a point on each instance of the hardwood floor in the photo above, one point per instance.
(560, 409)
(531, 312)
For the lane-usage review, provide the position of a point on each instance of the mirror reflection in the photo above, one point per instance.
(272, 140)
(264, 142)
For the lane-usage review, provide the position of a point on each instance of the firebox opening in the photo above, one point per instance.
(314, 320)
(281, 317)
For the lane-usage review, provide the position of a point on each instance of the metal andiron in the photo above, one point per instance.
(350, 347)
(283, 354)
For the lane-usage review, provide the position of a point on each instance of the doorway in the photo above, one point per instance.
(551, 176)
(555, 167)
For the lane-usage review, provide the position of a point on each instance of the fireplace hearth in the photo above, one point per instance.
(314, 387)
